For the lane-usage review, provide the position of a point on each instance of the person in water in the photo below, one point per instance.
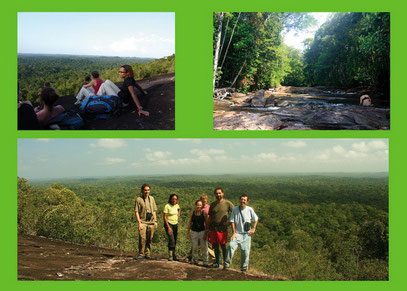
(127, 92)
(89, 89)
(365, 100)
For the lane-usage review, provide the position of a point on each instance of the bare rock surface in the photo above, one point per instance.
(293, 111)
(41, 258)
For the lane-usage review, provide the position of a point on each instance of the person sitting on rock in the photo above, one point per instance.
(48, 97)
(365, 100)
(127, 92)
(89, 89)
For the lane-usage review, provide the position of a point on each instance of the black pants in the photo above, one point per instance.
(142, 98)
(172, 239)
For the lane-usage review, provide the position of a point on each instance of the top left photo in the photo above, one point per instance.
(96, 71)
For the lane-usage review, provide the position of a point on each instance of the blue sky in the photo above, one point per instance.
(295, 39)
(62, 158)
(125, 34)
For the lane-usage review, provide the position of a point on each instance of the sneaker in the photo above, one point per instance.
(243, 270)
(225, 267)
(215, 265)
(125, 104)
(78, 102)
(148, 257)
(139, 257)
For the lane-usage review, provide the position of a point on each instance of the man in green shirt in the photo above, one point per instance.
(145, 211)
(218, 224)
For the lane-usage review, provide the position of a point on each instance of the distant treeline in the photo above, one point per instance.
(310, 228)
(349, 50)
(66, 73)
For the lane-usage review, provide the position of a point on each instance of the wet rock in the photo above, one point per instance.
(246, 121)
(270, 101)
(258, 99)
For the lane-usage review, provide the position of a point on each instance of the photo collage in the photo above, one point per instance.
(205, 146)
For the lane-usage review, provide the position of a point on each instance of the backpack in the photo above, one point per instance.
(101, 107)
(66, 120)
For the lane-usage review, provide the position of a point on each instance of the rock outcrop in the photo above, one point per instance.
(41, 258)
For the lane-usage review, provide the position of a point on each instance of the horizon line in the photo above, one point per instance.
(214, 174)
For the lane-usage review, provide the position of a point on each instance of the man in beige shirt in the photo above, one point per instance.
(145, 211)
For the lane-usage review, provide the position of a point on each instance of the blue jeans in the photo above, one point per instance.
(242, 240)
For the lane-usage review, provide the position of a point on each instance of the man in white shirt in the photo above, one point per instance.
(240, 220)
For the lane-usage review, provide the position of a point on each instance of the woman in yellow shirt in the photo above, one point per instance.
(172, 212)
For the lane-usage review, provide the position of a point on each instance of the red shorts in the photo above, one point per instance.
(216, 237)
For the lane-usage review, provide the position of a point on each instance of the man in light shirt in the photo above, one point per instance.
(242, 232)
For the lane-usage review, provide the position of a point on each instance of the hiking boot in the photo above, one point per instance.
(215, 265)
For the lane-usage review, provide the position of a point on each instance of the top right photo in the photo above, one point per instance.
(301, 71)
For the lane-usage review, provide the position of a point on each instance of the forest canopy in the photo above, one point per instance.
(347, 51)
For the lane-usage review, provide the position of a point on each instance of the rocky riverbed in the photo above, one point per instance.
(299, 108)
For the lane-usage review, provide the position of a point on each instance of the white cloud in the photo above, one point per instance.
(355, 154)
(135, 164)
(207, 152)
(111, 161)
(140, 44)
(157, 155)
(192, 140)
(370, 146)
(324, 156)
(109, 143)
(360, 146)
(295, 144)
(44, 139)
(378, 144)
(338, 149)
(220, 158)
(266, 156)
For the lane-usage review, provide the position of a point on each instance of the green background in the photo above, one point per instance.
(194, 120)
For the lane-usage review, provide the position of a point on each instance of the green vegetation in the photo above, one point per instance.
(311, 227)
(349, 50)
(66, 73)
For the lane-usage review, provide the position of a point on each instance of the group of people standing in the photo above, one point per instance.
(206, 223)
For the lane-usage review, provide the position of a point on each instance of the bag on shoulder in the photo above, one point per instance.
(103, 107)
(66, 120)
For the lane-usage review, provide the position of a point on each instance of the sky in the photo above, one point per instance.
(68, 158)
(295, 39)
(134, 34)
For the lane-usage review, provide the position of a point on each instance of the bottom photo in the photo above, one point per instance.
(203, 209)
